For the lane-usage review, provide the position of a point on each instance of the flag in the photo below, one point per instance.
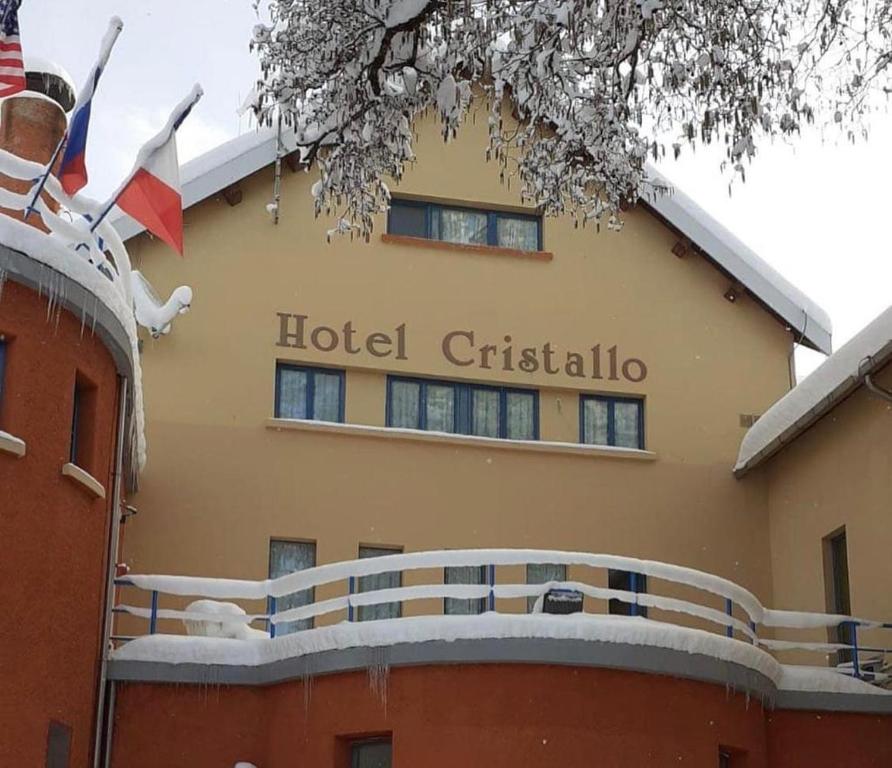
(151, 194)
(12, 68)
(73, 170)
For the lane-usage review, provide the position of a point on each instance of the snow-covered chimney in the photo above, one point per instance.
(33, 122)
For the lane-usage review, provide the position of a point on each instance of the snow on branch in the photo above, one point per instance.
(582, 92)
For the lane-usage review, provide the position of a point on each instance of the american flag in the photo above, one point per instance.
(12, 68)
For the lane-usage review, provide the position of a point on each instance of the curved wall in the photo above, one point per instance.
(442, 717)
(53, 529)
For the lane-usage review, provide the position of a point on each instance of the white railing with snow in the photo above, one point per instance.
(74, 234)
(742, 616)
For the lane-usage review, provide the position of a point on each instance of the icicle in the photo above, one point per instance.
(379, 672)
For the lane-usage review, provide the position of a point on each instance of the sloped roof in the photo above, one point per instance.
(234, 160)
(830, 383)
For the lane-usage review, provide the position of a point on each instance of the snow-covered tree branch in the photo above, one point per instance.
(582, 92)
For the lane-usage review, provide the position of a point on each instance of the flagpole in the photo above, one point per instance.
(115, 25)
(153, 145)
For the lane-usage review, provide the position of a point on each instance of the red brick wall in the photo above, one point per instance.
(809, 739)
(443, 717)
(53, 533)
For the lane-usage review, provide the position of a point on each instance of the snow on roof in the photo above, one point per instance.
(838, 376)
(807, 319)
(236, 159)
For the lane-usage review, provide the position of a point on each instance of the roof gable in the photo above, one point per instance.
(234, 160)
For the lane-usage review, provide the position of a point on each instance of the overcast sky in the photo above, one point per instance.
(819, 212)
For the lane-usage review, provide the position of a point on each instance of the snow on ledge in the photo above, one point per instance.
(50, 251)
(637, 631)
(816, 394)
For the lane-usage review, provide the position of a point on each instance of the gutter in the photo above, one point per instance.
(104, 724)
(867, 366)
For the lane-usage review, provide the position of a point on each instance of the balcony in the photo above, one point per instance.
(690, 625)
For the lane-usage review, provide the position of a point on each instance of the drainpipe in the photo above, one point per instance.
(877, 389)
(111, 564)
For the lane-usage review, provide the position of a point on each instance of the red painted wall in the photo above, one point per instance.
(807, 739)
(53, 533)
(443, 717)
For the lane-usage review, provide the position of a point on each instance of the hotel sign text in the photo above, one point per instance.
(464, 349)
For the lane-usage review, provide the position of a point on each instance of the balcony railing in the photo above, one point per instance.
(716, 603)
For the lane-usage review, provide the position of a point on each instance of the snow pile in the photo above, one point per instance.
(824, 680)
(177, 649)
(838, 375)
(238, 630)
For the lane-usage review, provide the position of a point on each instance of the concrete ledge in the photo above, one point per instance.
(834, 702)
(84, 479)
(471, 441)
(582, 653)
(12, 445)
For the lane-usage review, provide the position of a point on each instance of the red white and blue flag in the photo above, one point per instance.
(151, 194)
(12, 68)
(73, 169)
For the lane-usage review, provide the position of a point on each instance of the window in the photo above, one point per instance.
(836, 578)
(724, 759)
(83, 413)
(471, 226)
(376, 581)
(541, 573)
(309, 393)
(464, 574)
(467, 409)
(371, 754)
(287, 557)
(626, 581)
(617, 421)
(58, 745)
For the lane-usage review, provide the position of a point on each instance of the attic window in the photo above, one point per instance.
(465, 225)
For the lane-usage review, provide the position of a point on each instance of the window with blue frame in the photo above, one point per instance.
(471, 226)
(616, 421)
(303, 392)
(464, 574)
(465, 409)
(626, 581)
(287, 556)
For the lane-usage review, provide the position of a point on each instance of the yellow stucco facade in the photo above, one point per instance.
(223, 477)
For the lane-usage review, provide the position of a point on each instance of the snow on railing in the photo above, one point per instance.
(740, 618)
(75, 233)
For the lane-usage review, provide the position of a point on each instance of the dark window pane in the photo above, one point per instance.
(407, 219)
(372, 754)
(287, 557)
(622, 580)
(292, 394)
(542, 573)
(522, 234)
(58, 745)
(521, 416)
(470, 574)
(405, 404)
(376, 581)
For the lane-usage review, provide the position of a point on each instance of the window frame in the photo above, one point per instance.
(479, 602)
(384, 550)
(358, 744)
(492, 217)
(615, 606)
(611, 401)
(310, 622)
(311, 371)
(462, 410)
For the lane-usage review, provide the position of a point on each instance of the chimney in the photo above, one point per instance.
(33, 122)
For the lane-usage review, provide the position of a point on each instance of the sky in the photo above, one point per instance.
(818, 210)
